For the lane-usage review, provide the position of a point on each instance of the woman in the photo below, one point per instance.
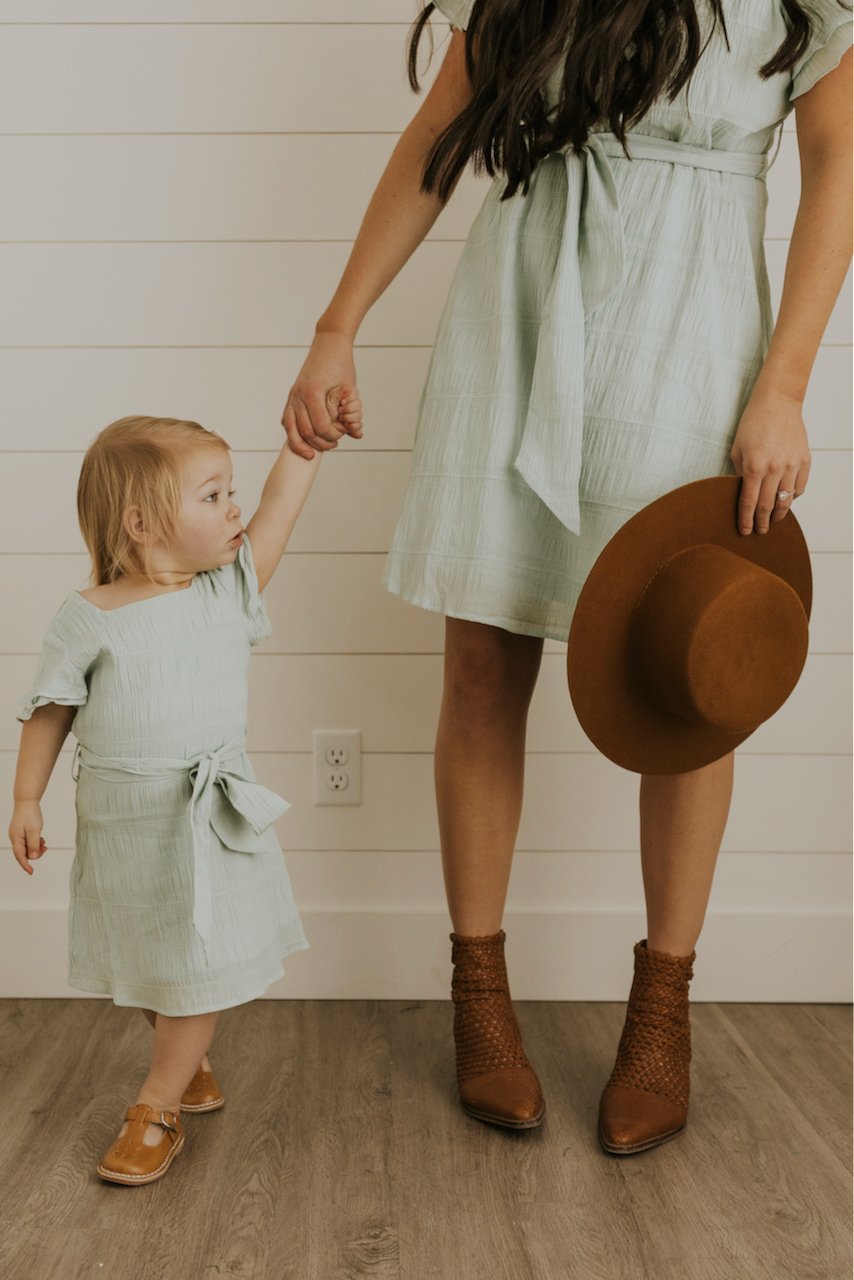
(607, 338)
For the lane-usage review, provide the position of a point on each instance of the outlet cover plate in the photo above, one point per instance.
(337, 766)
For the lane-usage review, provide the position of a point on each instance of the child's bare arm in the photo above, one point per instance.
(41, 741)
(282, 500)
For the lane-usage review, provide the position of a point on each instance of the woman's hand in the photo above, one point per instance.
(769, 452)
(25, 832)
(308, 416)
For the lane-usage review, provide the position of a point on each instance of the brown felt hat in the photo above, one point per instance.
(688, 634)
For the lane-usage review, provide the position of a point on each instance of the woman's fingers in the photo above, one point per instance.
(295, 440)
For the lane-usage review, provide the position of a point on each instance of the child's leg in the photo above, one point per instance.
(151, 1016)
(179, 1046)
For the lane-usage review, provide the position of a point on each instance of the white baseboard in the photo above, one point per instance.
(742, 956)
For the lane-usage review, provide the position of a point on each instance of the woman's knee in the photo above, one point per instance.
(489, 671)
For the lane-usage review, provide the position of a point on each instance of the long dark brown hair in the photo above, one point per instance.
(618, 57)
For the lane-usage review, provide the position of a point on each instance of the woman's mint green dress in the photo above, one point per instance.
(180, 899)
(601, 336)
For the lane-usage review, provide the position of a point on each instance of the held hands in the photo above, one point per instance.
(25, 832)
(316, 418)
(770, 452)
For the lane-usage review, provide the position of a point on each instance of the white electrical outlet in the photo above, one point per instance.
(337, 766)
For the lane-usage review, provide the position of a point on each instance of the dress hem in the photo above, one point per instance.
(99, 986)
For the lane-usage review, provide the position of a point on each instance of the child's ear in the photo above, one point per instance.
(133, 524)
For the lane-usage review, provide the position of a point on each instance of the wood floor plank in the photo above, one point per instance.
(342, 1152)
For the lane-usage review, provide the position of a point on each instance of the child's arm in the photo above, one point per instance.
(281, 502)
(283, 497)
(41, 741)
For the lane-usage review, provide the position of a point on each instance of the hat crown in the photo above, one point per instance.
(718, 640)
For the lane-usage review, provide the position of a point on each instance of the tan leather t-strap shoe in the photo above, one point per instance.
(130, 1160)
(202, 1093)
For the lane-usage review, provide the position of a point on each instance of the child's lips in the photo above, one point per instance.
(237, 539)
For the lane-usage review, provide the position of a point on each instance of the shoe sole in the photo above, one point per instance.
(204, 1106)
(505, 1124)
(137, 1179)
(635, 1147)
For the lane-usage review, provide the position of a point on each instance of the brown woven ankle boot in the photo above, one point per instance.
(645, 1101)
(495, 1079)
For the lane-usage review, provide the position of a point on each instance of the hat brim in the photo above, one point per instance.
(613, 706)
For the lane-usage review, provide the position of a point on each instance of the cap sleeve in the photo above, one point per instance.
(457, 12)
(831, 37)
(69, 650)
(244, 583)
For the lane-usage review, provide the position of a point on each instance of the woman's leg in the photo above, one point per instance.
(682, 822)
(683, 817)
(479, 767)
(480, 756)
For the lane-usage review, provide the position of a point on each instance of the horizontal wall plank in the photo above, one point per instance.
(353, 506)
(233, 294)
(168, 11)
(236, 78)
(236, 294)
(59, 399)
(238, 187)
(394, 700)
(332, 603)
(548, 882)
(572, 803)
(742, 956)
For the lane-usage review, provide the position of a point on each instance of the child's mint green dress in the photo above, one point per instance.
(180, 899)
(601, 336)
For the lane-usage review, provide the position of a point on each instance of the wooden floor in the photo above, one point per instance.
(341, 1152)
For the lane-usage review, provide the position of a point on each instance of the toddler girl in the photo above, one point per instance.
(180, 901)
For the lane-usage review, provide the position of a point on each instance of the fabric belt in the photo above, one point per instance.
(589, 267)
(249, 807)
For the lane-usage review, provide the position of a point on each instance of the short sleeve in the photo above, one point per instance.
(69, 650)
(831, 37)
(249, 598)
(457, 12)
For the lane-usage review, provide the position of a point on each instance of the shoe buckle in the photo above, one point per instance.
(170, 1122)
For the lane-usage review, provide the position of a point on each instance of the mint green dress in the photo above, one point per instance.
(601, 336)
(179, 896)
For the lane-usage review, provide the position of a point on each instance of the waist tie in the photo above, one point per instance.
(250, 808)
(589, 267)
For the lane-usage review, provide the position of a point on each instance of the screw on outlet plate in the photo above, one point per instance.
(337, 766)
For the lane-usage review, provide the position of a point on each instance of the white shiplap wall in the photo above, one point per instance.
(182, 182)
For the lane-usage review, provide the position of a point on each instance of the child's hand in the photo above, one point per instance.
(344, 407)
(25, 832)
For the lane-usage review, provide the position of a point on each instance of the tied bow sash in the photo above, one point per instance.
(589, 267)
(224, 798)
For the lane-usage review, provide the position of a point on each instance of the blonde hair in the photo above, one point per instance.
(134, 462)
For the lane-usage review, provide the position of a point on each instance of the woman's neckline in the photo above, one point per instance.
(131, 604)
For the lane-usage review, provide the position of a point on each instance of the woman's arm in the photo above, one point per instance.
(397, 219)
(41, 741)
(770, 449)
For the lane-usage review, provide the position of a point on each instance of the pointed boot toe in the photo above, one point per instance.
(645, 1101)
(633, 1120)
(508, 1096)
(202, 1093)
(495, 1080)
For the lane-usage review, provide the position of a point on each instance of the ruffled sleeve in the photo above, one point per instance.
(831, 37)
(249, 599)
(69, 651)
(456, 11)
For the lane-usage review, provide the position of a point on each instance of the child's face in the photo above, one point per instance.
(209, 532)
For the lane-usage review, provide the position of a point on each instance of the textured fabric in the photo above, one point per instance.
(171, 822)
(600, 339)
